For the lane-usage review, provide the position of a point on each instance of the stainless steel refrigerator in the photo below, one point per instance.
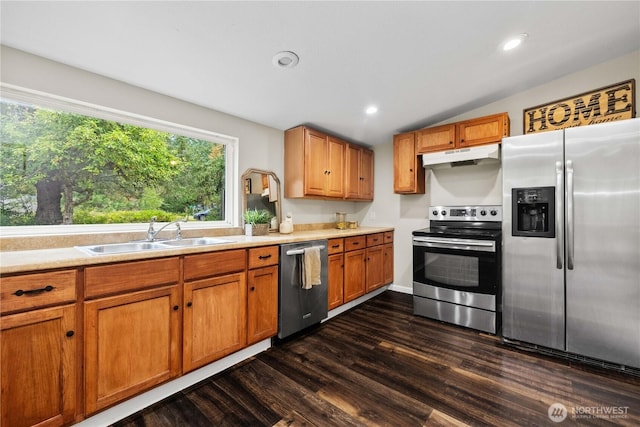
(571, 241)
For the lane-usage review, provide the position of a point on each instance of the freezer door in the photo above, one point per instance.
(603, 275)
(532, 267)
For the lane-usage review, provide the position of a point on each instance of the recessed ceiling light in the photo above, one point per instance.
(371, 110)
(514, 42)
(285, 59)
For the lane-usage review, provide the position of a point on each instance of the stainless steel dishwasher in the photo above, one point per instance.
(299, 308)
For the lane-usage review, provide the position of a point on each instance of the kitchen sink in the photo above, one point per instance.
(138, 246)
(119, 248)
(200, 241)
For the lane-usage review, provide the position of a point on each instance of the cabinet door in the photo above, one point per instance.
(352, 171)
(408, 173)
(374, 267)
(315, 158)
(335, 167)
(483, 130)
(354, 274)
(336, 280)
(387, 264)
(366, 175)
(39, 350)
(214, 319)
(436, 138)
(132, 343)
(262, 303)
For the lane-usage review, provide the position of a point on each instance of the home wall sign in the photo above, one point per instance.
(607, 104)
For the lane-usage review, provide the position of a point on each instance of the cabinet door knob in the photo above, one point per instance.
(176, 308)
(189, 304)
(450, 142)
(69, 334)
(253, 288)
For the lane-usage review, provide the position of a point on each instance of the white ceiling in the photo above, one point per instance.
(419, 62)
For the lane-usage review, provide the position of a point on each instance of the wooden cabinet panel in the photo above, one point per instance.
(128, 276)
(39, 367)
(214, 319)
(388, 236)
(214, 263)
(262, 303)
(374, 267)
(335, 246)
(408, 173)
(263, 256)
(375, 239)
(483, 130)
(132, 342)
(387, 264)
(359, 173)
(436, 138)
(355, 242)
(315, 159)
(335, 167)
(28, 291)
(336, 280)
(354, 274)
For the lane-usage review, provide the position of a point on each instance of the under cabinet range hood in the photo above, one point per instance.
(463, 156)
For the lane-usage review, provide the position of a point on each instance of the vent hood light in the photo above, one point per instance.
(462, 157)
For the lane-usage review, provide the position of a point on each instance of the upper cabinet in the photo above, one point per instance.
(408, 173)
(318, 165)
(359, 173)
(478, 131)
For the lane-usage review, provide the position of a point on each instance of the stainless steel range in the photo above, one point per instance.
(457, 266)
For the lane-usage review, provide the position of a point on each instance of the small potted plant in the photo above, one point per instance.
(256, 222)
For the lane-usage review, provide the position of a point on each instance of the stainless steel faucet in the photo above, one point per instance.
(152, 233)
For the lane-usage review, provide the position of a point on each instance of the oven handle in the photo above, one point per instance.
(465, 244)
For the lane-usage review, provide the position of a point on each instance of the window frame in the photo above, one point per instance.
(47, 100)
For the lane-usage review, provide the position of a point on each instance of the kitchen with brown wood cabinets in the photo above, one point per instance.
(133, 318)
(40, 349)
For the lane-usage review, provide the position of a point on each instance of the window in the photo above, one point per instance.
(68, 163)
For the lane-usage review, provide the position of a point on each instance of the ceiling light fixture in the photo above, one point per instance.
(514, 42)
(371, 110)
(285, 59)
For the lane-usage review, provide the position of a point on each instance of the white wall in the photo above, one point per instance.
(474, 184)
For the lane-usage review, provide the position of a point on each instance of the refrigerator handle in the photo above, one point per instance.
(558, 213)
(570, 216)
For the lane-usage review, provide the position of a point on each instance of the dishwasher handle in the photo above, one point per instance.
(301, 251)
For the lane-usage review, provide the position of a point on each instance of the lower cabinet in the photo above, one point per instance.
(132, 343)
(262, 303)
(387, 263)
(336, 272)
(214, 319)
(39, 367)
(374, 268)
(354, 267)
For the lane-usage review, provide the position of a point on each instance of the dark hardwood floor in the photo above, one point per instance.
(378, 364)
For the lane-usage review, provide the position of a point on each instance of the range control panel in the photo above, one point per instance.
(466, 213)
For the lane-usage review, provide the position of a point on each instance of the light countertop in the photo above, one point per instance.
(43, 259)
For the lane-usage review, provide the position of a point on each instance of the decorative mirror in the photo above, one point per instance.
(261, 190)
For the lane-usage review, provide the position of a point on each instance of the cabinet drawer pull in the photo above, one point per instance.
(20, 292)
(70, 334)
(335, 246)
(264, 256)
(356, 243)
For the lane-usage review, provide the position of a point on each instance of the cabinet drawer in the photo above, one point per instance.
(356, 242)
(128, 276)
(336, 246)
(388, 236)
(375, 239)
(261, 257)
(214, 263)
(36, 290)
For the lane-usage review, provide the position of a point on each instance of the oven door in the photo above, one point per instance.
(466, 265)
